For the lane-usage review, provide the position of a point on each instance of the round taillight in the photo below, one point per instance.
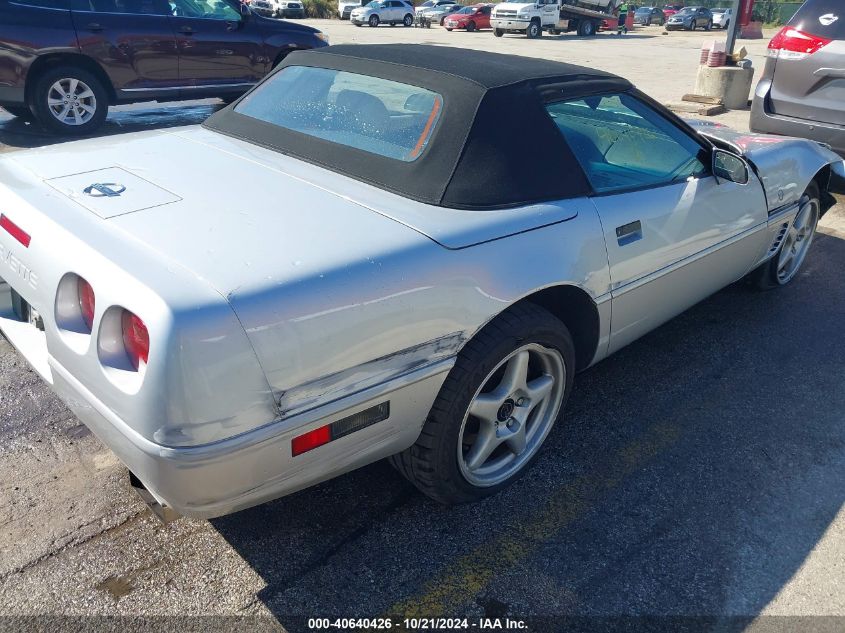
(136, 339)
(87, 301)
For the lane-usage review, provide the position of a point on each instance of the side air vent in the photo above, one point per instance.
(779, 238)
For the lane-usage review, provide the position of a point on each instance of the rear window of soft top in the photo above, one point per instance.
(375, 115)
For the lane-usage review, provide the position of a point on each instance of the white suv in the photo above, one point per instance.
(384, 12)
(279, 8)
(346, 7)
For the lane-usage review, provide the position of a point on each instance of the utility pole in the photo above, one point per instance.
(733, 27)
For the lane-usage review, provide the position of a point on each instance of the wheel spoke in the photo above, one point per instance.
(486, 406)
(802, 217)
(516, 373)
(516, 442)
(784, 264)
(55, 102)
(76, 116)
(539, 388)
(63, 114)
(74, 84)
(85, 94)
(485, 443)
(87, 108)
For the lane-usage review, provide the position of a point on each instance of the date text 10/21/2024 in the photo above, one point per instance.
(417, 624)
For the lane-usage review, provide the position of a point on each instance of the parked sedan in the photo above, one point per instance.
(647, 16)
(722, 17)
(802, 90)
(691, 18)
(470, 18)
(384, 12)
(370, 292)
(438, 14)
(671, 9)
(66, 65)
(430, 4)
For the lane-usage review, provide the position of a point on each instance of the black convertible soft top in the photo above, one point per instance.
(495, 146)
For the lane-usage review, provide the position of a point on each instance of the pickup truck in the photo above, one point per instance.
(553, 16)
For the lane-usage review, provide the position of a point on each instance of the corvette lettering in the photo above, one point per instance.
(18, 267)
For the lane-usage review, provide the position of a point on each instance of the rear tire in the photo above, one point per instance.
(520, 350)
(708, 26)
(374, 21)
(534, 30)
(498, 32)
(408, 20)
(586, 28)
(786, 264)
(470, 27)
(69, 100)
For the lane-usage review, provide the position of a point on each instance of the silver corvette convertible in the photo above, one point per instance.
(363, 258)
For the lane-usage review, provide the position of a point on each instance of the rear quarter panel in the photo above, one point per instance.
(25, 33)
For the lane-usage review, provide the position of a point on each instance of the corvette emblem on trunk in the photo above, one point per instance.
(104, 189)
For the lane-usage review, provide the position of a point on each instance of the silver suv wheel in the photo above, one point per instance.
(71, 101)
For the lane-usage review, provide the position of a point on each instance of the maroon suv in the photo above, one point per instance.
(65, 61)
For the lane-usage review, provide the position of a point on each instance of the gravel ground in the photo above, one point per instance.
(698, 472)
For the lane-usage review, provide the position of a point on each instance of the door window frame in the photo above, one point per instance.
(699, 140)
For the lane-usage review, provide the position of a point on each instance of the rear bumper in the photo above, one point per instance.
(227, 476)
(257, 466)
(764, 121)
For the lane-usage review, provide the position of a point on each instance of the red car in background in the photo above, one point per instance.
(470, 18)
(672, 9)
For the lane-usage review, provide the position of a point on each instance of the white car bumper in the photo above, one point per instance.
(510, 24)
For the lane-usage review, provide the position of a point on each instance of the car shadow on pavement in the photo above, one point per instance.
(694, 473)
(18, 133)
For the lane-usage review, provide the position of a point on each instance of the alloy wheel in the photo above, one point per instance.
(71, 101)
(797, 241)
(511, 414)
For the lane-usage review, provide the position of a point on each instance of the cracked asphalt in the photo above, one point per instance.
(697, 472)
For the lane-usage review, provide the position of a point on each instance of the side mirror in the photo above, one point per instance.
(244, 9)
(730, 167)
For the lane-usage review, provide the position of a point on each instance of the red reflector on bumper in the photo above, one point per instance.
(15, 231)
(311, 440)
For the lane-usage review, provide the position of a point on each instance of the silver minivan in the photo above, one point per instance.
(802, 90)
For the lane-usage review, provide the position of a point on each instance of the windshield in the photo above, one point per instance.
(718, 10)
(427, 3)
(644, 10)
(686, 11)
(375, 115)
(467, 10)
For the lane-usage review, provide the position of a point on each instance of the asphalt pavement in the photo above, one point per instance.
(697, 472)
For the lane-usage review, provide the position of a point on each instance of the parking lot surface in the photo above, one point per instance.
(697, 472)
